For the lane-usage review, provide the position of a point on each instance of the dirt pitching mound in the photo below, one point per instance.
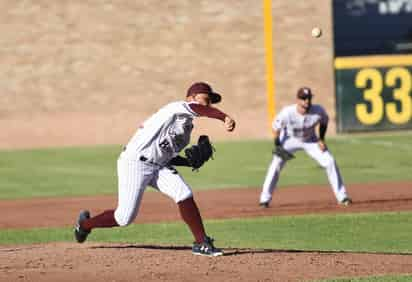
(121, 262)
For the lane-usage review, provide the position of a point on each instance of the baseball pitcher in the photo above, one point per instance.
(148, 160)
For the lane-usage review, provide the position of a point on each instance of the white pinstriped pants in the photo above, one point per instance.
(324, 159)
(133, 178)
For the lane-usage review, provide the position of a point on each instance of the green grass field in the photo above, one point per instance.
(90, 171)
(60, 172)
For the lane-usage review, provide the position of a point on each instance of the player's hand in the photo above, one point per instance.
(230, 123)
(322, 145)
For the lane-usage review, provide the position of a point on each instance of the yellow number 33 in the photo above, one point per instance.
(373, 96)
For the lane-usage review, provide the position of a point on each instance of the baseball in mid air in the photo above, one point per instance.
(316, 32)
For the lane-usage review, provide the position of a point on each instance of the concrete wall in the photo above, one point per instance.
(88, 72)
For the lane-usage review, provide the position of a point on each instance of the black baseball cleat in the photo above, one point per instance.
(346, 201)
(264, 204)
(79, 233)
(206, 248)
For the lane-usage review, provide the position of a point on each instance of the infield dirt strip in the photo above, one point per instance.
(133, 262)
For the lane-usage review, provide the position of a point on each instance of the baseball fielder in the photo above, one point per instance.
(147, 160)
(294, 129)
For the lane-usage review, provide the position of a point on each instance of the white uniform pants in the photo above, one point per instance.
(324, 159)
(134, 176)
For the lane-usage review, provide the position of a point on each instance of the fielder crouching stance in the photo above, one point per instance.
(294, 129)
(148, 158)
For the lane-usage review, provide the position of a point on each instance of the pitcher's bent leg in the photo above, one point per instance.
(103, 220)
(170, 183)
(191, 216)
(133, 177)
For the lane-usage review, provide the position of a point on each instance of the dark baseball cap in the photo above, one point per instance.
(304, 93)
(203, 87)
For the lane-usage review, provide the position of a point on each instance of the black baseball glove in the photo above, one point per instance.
(200, 153)
(282, 153)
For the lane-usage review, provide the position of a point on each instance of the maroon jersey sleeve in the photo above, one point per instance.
(207, 111)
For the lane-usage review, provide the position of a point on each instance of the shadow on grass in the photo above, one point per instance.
(244, 251)
(148, 247)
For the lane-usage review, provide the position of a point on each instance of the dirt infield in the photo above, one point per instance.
(126, 262)
(233, 203)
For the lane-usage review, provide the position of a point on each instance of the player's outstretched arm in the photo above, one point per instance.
(212, 112)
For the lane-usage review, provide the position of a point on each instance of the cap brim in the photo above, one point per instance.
(215, 98)
(305, 96)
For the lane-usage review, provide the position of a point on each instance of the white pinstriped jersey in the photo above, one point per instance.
(299, 126)
(164, 134)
